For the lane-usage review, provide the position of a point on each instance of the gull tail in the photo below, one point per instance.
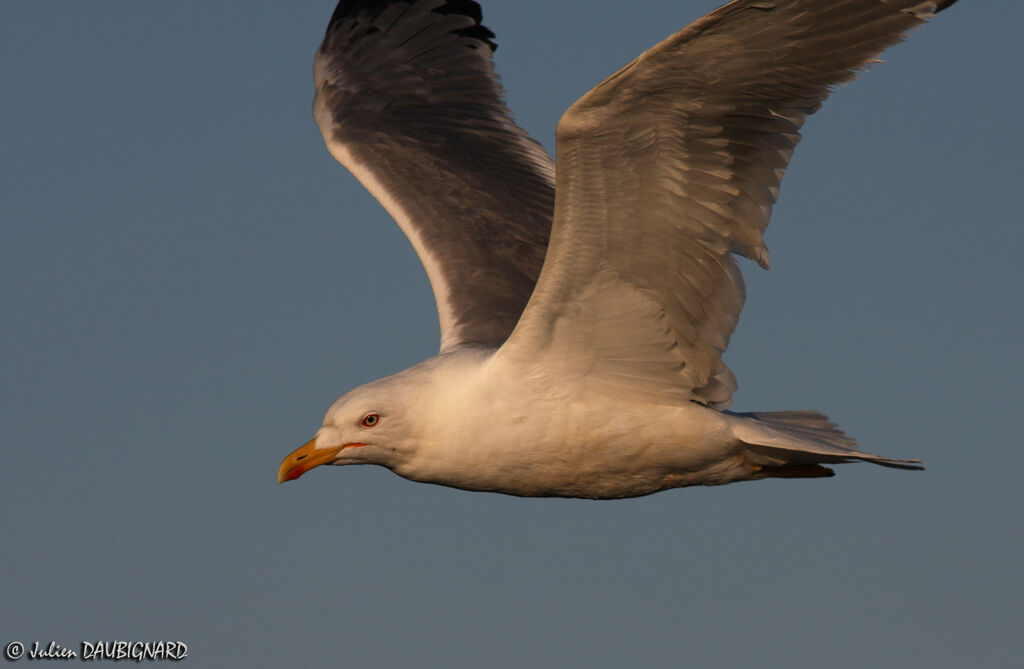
(795, 444)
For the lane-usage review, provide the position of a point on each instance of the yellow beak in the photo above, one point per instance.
(304, 458)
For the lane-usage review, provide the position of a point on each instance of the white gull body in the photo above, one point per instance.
(584, 307)
(473, 421)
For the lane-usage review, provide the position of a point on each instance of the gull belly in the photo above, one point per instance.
(491, 427)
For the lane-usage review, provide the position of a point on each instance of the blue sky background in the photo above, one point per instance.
(188, 280)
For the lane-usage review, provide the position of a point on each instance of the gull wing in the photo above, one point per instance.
(407, 99)
(670, 167)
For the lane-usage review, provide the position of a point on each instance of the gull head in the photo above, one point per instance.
(386, 422)
(368, 425)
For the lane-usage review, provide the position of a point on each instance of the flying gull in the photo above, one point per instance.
(584, 304)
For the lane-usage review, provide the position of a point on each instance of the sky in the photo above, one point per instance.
(188, 280)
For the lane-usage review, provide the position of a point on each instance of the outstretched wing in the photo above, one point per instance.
(408, 100)
(668, 168)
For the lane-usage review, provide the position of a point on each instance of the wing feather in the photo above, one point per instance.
(408, 100)
(670, 167)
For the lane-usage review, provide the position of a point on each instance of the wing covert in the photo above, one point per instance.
(408, 100)
(670, 167)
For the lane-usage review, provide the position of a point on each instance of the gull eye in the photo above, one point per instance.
(370, 419)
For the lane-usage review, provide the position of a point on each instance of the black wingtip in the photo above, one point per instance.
(920, 8)
(471, 9)
(347, 9)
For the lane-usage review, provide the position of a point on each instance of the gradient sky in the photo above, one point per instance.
(189, 279)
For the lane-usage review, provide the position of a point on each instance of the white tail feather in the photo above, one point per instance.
(802, 437)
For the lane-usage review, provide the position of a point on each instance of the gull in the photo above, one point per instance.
(584, 304)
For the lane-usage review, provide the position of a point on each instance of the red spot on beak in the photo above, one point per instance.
(306, 457)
